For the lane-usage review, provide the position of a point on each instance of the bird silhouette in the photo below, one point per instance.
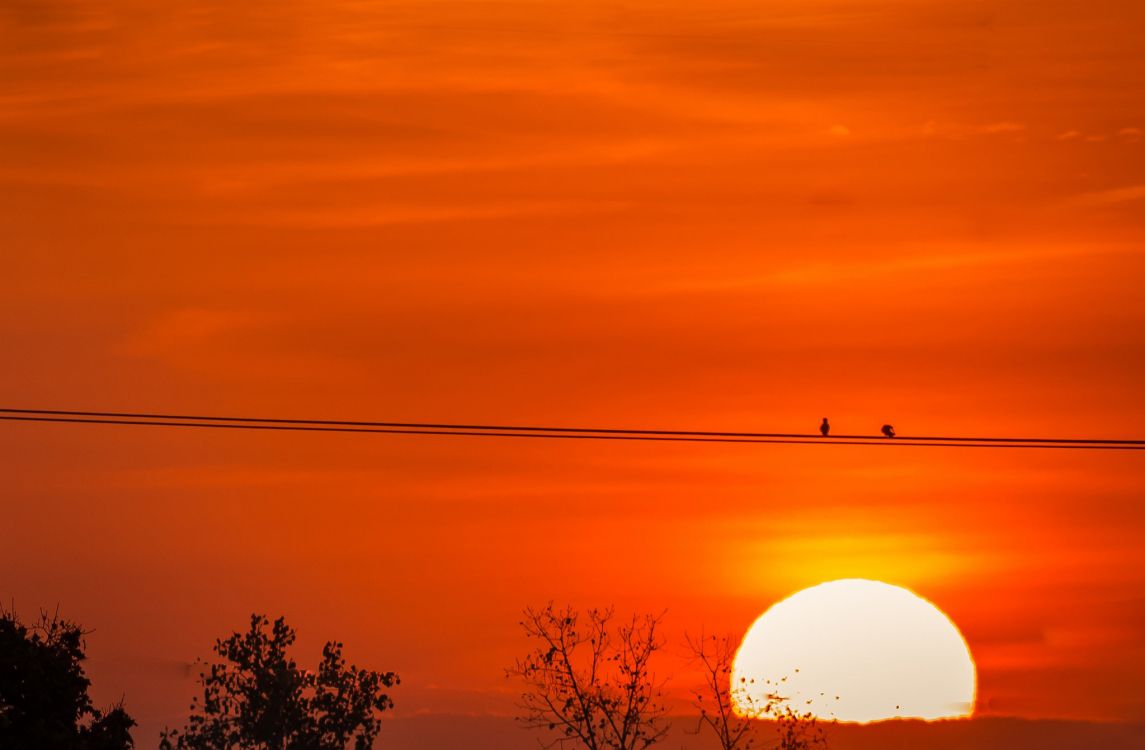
(888, 431)
(825, 427)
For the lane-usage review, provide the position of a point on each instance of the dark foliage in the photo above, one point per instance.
(257, 698)
(44, 703)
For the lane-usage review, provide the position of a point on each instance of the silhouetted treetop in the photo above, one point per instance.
(257, 697)
(44, 703)
(589, 681)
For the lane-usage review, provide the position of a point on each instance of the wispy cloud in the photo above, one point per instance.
(960, 130)
(331, 217)
(1111, 197)
(1003, 127)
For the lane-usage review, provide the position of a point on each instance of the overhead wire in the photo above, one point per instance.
(545, 431)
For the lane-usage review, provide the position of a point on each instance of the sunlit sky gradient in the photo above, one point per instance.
(722, 215)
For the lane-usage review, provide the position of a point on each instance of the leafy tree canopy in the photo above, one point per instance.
(44, 703)
(257, 698)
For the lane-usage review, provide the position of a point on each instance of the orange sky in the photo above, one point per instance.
(721, 215)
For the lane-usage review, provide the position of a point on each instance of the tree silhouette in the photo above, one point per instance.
(257, 698)
(44, 704)
(590, 681)
(733, 712)
(716, 700)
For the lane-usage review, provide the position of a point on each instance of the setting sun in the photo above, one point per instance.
(856, 650)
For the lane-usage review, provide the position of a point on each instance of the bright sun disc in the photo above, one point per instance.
(856, 650)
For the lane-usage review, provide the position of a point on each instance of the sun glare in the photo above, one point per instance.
(856, 650)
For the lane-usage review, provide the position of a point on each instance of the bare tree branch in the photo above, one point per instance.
(589, 682)
(734, 712)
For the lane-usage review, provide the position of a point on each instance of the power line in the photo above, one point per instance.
(544, 432)
(536, 428)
